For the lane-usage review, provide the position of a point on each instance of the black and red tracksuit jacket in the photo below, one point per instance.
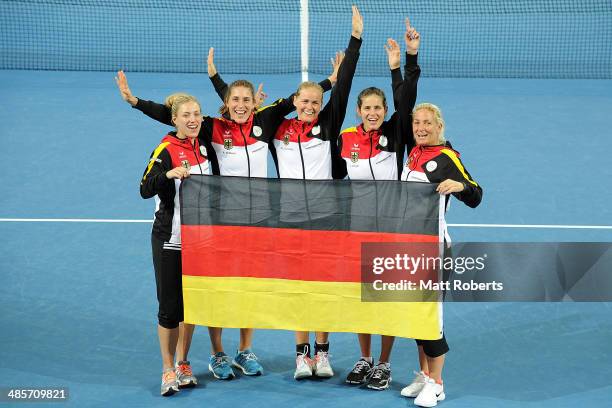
(378, 154)
(170, 153)
(235, 149)
(434, 164)
(310, 150)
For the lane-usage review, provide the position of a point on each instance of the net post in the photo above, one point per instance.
(304, 38)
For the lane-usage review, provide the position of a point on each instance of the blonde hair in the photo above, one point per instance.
(175, 101)
(240, 82)
(437, 113)
(311, 85)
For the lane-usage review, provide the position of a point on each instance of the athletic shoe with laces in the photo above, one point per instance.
(219, 365)
(184, 375)
(303, 367)
(322, 367)
(413, 389)
(431, 393)
(360, 373)
(169, 384)
(380, 378)
(247, 361)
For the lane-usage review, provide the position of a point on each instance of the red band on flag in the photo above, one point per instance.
(308, 255)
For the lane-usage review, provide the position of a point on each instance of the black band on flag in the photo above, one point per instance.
(327, 205)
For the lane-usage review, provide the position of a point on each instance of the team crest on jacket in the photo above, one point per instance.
(354, 157)
(316, 130)
(257, 131)
(431, 166)
(383, 141)
(203, 150)
(228, 144)
(286, 139)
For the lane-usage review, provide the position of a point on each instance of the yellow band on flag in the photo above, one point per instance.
(304, 306)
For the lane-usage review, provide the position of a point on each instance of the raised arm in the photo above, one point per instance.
(163, 114)
(412, 38)
(405, 95)
(274, 113)
(260, 96)
(394, 57)
(160, 113)
(333, 77)
(219, 84)
(335, 109)
(124, 89)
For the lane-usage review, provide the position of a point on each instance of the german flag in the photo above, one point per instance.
(287, 254)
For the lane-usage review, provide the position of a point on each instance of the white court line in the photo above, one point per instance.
(99, 220)
(72, 220)
(542, 226)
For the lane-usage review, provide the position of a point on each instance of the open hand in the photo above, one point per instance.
(210, 62)
(393, 53)
(357, 23)
(336, 62)
(124, 89)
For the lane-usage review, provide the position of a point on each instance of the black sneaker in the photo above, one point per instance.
(380, 378)
(360, 373)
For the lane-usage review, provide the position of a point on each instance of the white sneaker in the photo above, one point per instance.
(184, 375)
(303, 367)
(322, 367)
(431, 393)
(413, 389)
(169, 383)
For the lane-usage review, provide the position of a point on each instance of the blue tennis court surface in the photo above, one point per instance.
(78, 299)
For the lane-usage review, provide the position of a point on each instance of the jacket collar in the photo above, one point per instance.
(185, 143)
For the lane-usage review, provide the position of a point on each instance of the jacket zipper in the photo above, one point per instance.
(370, 157)
(197, 157)
(246, 150)
(301, 154)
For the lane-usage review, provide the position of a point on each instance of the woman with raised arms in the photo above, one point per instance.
(237, 145)
(374, 150)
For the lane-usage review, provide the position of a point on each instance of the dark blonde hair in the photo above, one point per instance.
(311, 85)
(240, 82)
(175, 101)
(371, 91)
